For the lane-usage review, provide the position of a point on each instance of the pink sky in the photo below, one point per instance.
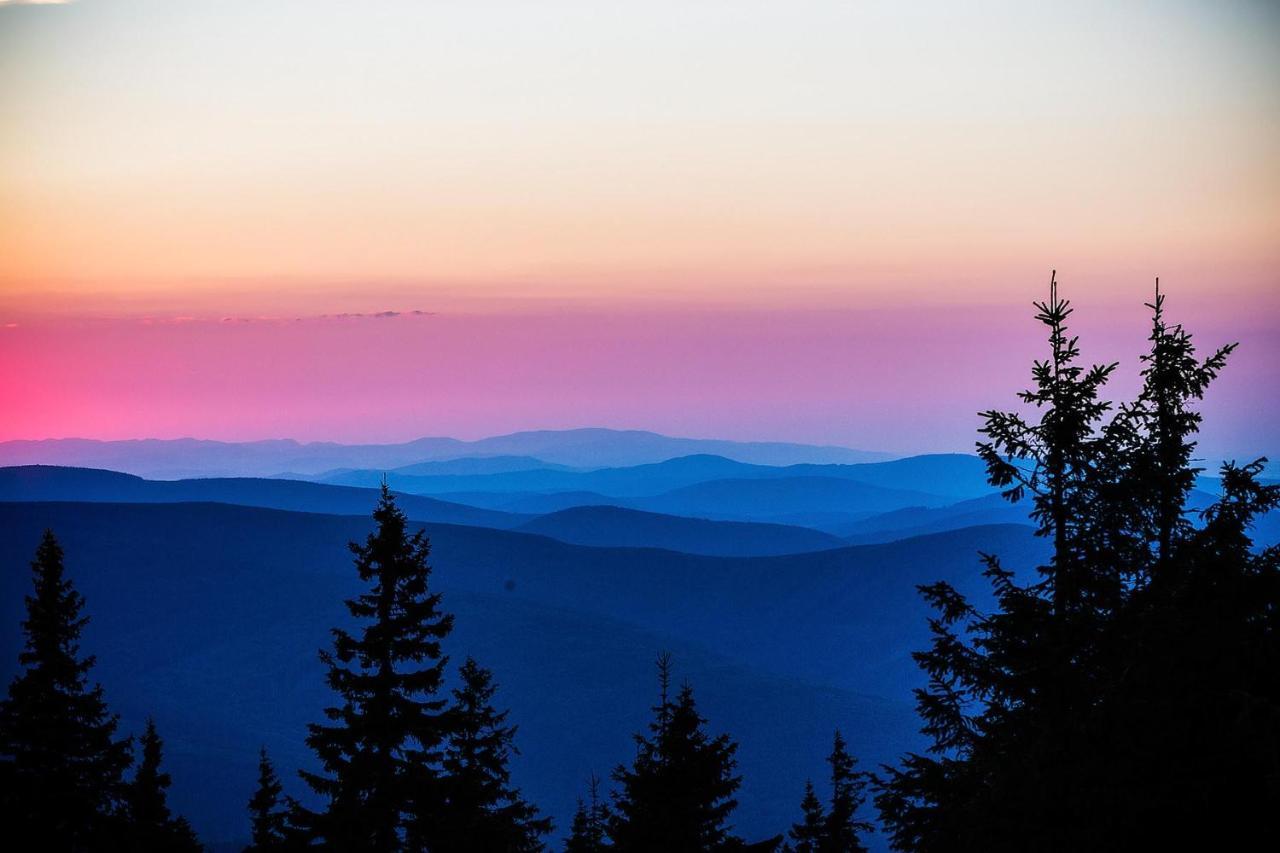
(902, 379)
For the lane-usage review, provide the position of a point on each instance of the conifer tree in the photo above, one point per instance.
(1054, 457)
(61, 764)
(381, 748)
(678, 793)
(268, 813)
(1130, 698)
(838, 829)
(809, 835)
(151, 826)
(588, 833)
(1160, 441)
(484, 812)
(842, 827)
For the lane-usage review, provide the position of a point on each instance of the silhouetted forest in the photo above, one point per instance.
(1126, 697)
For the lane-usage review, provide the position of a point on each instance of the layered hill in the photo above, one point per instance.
(210, 615)
(592, 448)
(950, 476)
(51, 483)
(610, 526)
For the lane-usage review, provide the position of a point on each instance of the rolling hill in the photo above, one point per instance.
(808, 501)
(950, 476)
(49, 483)
(610, 526)
(583, 448)
(216, 635)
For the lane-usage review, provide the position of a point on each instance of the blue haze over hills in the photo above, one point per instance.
(585, 448)
(786, 591)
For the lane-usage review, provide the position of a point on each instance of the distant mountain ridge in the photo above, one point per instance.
(617, 527)
(954, 476)
(598, 526)
(43, 483)
(583, 448)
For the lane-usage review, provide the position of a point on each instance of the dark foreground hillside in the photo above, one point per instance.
(210, 616)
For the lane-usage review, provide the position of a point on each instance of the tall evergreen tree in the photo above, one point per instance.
(151, 826)
(1130, 698)
(589, 831)
(1159, 427)
(61, 764)
(809, 835)
(484, 812)
(678, 794)
(838, 829)
(268, 812)
(842, 828)
(381, 748)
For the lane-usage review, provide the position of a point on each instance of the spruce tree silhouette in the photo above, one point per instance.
(61, 764)
(268, 812)
(848, 786)
(151, 825)
(809, 835)
(589, 831)
(381, 749)
(484, 812)
(836, 830)
(678, 793)
(1129, 698)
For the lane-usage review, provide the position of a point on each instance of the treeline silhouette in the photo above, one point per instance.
(1127, 697)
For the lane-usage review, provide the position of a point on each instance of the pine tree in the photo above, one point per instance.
(151, 827)
(267, 811)
(381, 748)
(1130, 698)
(842, 827)
(61, 765)
(588, 833)
(678, 793)
(484, 812)
(1055, 457)
(809, 836)
(1160, 449)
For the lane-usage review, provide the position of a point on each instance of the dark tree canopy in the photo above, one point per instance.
(836, 829)
(1128, 698)
(483, 812)
(382, 745)
(808, 835)
(151, 825)
(678, 793)
(268, 811)
(61, 764)
(589, 831)
(842, 828)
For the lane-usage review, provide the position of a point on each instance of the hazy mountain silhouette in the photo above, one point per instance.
(591, 448)
(216, 634)
(479, 465)
(993, 509)
(51, 483)
(533, 503)
(634, 480)
(920, 520)
(809, 501)
(609, 526)
(821, 503)
(952, 476)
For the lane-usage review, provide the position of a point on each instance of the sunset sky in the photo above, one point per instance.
(816, 221)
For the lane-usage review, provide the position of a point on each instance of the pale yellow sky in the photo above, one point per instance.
(719, 149)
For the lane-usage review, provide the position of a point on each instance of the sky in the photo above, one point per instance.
(811, 221)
